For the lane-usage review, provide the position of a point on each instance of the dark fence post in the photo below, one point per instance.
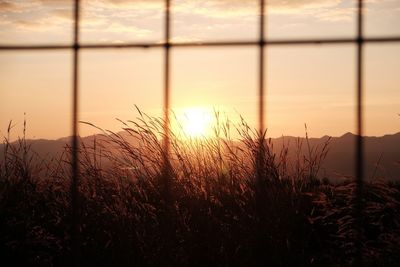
(359, 143)
(75, 204)
(167, 216)
(166, 109)
(260, 174)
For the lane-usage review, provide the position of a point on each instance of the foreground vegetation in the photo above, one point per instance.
(220, 203)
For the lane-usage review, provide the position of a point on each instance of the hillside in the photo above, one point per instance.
(382, 154)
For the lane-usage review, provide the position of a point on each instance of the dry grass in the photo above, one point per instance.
(226, 204)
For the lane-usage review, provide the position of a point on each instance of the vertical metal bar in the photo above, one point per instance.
(260, 160)
(359, 143)
(166, 145)
(261, 87)
(167, 228)
(261, 69)
(75, 164)
(167, 47)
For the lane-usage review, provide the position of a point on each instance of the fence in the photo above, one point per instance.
(262, 43)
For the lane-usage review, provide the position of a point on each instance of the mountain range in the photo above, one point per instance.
(381, 155)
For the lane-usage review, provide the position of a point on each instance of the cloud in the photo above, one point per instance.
(251, 7)
(6, 6)
(99, 17)
(226, 9)
(219, 9)
(337, 14)
(302, 4)
(33, 16)
(145, 16)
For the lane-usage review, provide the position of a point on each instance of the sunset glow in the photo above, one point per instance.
(200, 132)
(195, 122)
(303, 84)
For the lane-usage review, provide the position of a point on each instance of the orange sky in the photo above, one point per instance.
(306, 84)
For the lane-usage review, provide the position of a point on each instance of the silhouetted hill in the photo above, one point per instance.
(382, 154)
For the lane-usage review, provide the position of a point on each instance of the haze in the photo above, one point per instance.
(311, 84)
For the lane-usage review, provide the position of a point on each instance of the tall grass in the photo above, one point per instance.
(224, 208)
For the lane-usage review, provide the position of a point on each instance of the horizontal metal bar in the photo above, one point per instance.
(81, 46)
(203, 44)
(35, 47)
(290, 42)
(334, 41)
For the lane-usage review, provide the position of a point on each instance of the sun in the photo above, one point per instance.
(196, 122)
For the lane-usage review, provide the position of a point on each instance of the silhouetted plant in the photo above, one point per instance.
(214, 213)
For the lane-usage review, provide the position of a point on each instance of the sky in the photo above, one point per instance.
(313, 85)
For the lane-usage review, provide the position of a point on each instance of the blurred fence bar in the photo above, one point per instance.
(359, 143)
(75, 205)
(76, 46)
(167, 74)
(261, 70)
(197, 44)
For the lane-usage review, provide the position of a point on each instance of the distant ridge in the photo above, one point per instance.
(338, 164)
